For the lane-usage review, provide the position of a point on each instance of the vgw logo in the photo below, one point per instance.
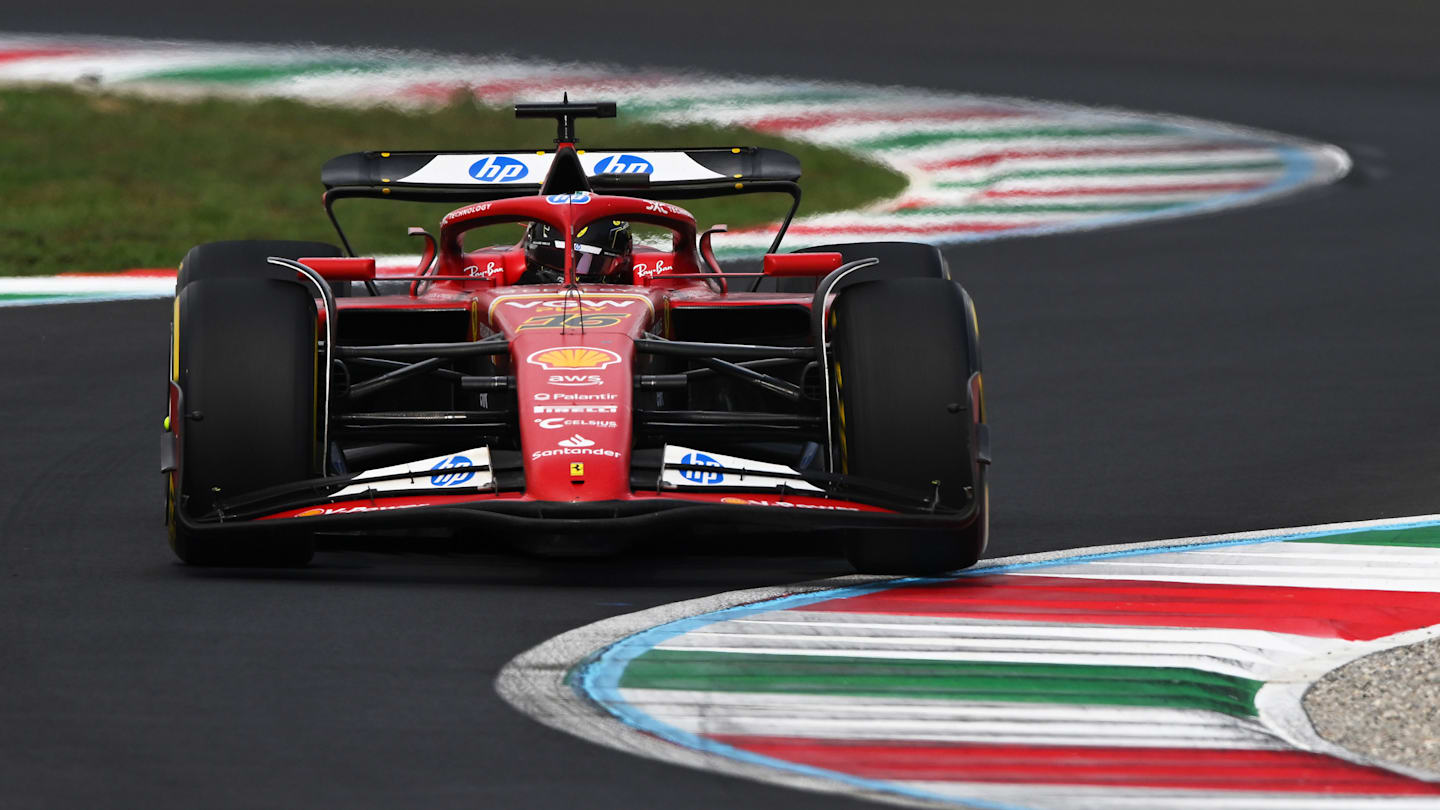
(701, 476)
(498, 169)
(450, 479)
(624, 164)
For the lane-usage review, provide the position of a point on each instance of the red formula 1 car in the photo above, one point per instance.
(589, 380)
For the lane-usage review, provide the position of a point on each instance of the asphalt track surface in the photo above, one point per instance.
(1268, 367)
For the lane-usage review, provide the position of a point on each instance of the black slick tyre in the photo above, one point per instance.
(908, 410)
(246, 364)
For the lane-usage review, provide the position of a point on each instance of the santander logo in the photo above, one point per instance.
(576, 441)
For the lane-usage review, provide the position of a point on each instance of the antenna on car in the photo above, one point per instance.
(565, 114)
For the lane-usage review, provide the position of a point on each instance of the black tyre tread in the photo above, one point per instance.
(245, 257)
(247, 369)
(903, 354)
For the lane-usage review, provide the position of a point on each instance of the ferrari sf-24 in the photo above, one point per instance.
(599, 374)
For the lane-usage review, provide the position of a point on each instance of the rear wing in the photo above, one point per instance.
(480, 176)
(467, 177)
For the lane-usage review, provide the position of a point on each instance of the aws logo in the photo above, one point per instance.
(498, 169)
(574, 380)
(624, 164)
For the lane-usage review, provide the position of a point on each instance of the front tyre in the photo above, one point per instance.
(905, 374)
(245, 360)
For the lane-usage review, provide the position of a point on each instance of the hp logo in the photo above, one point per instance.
(449, 479)
(624, 164)
(578, 198)
(498, 169)
(701, 476)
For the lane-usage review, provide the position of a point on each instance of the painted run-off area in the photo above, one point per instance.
(1143, 677)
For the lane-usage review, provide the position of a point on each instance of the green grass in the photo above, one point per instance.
(94, 181)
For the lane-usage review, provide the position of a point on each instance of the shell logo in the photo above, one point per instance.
(310, 513)
(581, 358)
(735, 501)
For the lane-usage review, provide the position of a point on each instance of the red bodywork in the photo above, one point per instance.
(572, 350)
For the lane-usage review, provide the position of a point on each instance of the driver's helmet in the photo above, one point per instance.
(602, 251)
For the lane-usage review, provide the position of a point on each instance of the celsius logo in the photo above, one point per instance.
(449, 479)
(498, 169)
(701, 476)
(624, 164)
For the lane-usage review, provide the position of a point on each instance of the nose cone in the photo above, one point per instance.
(573, 357)
(575, 396)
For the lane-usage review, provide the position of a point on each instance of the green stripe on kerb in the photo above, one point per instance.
(915, 139)
(1189, 168)
(43, 296)
(1415, 537)
(1170, 687)
(262, 73)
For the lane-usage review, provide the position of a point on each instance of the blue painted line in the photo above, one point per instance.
(1300, 169)
(597, 678)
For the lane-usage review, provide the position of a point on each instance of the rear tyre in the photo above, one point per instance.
(903, 355)
(246, 351)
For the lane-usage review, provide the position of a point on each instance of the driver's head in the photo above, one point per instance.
(602, 249)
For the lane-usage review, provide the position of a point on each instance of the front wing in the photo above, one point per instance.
(643, 510)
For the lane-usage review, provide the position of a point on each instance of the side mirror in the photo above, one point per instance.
(801, 264)
(342, 269)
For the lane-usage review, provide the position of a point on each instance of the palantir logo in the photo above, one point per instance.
(701, 476)
(624, 164)
(498, 169)
(450, 479)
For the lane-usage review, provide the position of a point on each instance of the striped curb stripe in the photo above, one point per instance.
(76, 287)
(978, 167)
(1141, 676)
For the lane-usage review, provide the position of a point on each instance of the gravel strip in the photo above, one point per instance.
(1385, 706)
